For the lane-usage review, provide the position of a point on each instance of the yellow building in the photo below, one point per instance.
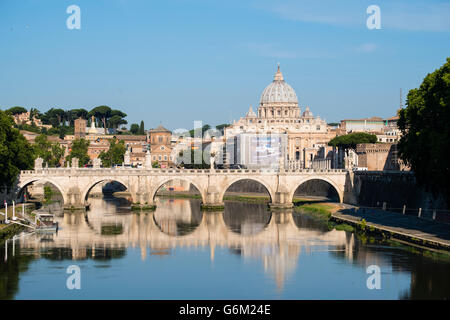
(161, 147)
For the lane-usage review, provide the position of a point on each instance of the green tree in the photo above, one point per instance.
(102, 113)
(48, 193)
(221, 127)
(115, 121)
(155, 164)
(51, 153)
(74, 114)
(141, 128)
(55, 117)
(349, 141)
(115, 153)
(118, 113)
(134, 128)
(15, 152)
(58, 152)
(79, 149)
(16, 110)
(35, 113)
(425, 128)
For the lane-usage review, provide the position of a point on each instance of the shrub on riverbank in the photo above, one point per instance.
(7, 231)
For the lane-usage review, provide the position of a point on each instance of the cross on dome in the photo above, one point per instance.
(278, 75)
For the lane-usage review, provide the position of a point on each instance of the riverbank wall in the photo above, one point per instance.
(396, 191)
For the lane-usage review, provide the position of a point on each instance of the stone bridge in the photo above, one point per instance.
(143, 183)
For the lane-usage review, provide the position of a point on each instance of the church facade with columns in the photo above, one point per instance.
(279, 113)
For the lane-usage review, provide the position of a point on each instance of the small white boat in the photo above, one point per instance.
(46, 223)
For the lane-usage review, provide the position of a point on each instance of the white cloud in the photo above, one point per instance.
(395, 15)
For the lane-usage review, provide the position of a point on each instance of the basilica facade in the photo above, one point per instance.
(304, 137)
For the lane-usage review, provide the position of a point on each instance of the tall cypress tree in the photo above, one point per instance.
(141, 128)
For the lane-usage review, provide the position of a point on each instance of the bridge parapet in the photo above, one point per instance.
(127, 171)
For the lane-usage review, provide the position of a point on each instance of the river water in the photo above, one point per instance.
(243, 252)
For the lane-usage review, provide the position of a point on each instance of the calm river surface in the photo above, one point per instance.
(178, 252)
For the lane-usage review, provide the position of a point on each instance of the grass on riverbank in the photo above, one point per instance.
(318, 210)
(321, 212)
(9, 230)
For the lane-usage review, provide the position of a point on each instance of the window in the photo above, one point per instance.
(159, 158)
(154, 157)
(318, 127)
(160, 139)
(165, 158)
(162, 148)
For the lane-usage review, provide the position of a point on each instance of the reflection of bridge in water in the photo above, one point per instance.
(276, 238)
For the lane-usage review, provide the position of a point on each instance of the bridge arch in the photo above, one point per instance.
(91, 185)
(26, 183)
(166, 180)
(336, 187)
(230, 183)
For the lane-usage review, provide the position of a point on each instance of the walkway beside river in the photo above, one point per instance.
(397, 226)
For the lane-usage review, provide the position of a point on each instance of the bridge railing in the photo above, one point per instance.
(65, 170)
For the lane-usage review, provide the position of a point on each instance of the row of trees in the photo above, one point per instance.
(61, 119)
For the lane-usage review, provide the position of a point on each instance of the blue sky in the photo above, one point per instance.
(176, 61)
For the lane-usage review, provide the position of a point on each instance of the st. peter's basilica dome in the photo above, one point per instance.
(278, 91)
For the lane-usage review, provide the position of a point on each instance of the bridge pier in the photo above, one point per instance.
(142, 200)
(281, 199)
(212, 200)
(73, 200)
